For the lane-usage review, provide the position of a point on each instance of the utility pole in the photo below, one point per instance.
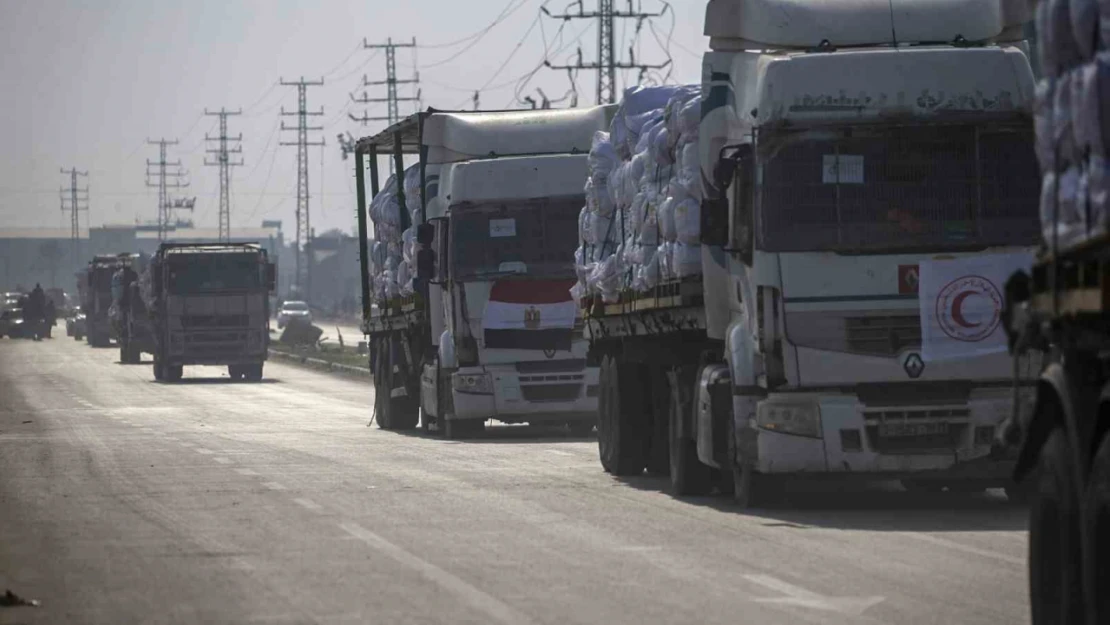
(607, 63)
(166, 179)
(78, 200)
(224, 163)
(303, 274)
(391, 98)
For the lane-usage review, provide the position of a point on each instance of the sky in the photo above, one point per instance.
(86, 84)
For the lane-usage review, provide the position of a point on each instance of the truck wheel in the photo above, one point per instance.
(158, 373)
(688, 475)
(235, 372)
(1098, 532)
(253, 373)
(659, 445)
(1055, 545)
(620, 435)
(749, 487)
(173, 373)
(400, 413)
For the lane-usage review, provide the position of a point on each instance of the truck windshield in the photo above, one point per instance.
(534, 237)
(860, 189)
(200, 273)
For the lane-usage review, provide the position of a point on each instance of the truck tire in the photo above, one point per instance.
(393, 413)
(689, 477)
(749, 487)
(174, 373)
(621, 435)
(659, 444)
(1055, 544)
(253, 373)
(159, 373)
(235, 372)
(1097, 529)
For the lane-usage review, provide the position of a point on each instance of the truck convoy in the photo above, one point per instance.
(96, 300)
(202, 304)
(1061, 308)
(466, 289)
(864, 183)
(130, 317)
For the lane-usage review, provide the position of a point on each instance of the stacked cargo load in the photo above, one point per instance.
(1072, 120)
(393, 254)
(640, 225)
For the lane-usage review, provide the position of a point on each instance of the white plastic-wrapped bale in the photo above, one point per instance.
(1084, 26)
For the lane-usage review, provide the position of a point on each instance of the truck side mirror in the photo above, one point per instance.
(425, 234)
(743, 218)
(271, 276)
(715, 218)
(425, 265)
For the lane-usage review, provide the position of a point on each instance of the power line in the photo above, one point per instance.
(391, 81)
(303, 275)
(225, 163)
(607, 62)
(169, 175)
(502, 16)
(78, 201)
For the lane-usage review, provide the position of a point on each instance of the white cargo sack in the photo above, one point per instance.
(1042, 124)
(961, 304)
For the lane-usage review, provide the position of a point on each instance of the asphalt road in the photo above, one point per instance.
(124, 501)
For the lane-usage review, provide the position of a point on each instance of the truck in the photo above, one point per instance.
(487, 328)
(131, 319)
(1060, 308)
(866, 178)
(207, 304)
(96, 300)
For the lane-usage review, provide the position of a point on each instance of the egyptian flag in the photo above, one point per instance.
(530, 314)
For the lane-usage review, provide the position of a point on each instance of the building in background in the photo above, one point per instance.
(334, 273)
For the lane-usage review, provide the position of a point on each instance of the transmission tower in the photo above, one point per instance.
(225, 163)
(303, 275)
(169, 175)
(607, 63)
(75, 200)
(391, 98)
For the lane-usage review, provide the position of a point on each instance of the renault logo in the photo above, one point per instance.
(913, 365)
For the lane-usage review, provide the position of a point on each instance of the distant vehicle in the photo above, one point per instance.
(202, 304)
(11, 300)
(96, 300)
(75, 323)
(13, 325)
(293, 310)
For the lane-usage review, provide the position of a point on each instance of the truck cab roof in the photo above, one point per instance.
(803, 24)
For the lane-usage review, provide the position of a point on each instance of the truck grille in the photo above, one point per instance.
(551, 392)
(882, 336)
(947, 441)
(214, 321)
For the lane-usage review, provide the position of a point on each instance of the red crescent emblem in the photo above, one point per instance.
(953, 307)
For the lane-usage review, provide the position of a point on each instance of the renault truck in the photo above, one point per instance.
(488, 328)
(868, 181)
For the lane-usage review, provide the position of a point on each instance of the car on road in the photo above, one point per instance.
(293, 310)
(11, 300)
(13, 325)
(75, 323)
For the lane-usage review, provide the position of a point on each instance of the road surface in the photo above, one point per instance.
(123, 500)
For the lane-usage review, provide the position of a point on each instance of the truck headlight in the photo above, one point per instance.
(798, 418)
(480, 383)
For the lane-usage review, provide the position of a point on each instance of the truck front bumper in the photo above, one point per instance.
(954, 443)
(513, 397)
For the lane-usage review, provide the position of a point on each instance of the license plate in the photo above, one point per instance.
(902, 430)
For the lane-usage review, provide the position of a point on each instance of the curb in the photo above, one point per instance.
(322, 365)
